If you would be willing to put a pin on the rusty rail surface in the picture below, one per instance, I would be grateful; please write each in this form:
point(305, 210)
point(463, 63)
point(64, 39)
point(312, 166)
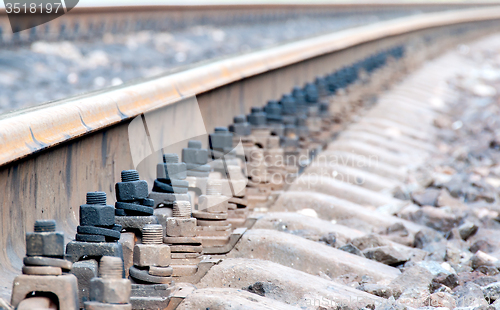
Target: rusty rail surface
point(53, 154)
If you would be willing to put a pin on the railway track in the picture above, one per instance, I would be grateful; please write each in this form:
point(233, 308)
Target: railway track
point(335, 210)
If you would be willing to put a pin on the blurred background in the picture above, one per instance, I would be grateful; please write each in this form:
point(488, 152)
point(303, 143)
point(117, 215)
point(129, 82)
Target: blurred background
point(101, 44)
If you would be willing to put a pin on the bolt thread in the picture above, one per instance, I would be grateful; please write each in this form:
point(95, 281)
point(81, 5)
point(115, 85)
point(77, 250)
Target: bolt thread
point(130, 175)
point(181, 209)
point(45, 226)
point(96, 198)
point(170, 158)
point(111, 267)
point(194, 144)
point(152, 234)
point(214, 187)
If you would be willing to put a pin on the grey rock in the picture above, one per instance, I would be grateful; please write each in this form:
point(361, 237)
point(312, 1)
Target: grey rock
point(496, 305)
point(492, 292)
point(397, 228)
point(481, 245)
point(387, 255)
point(391, 304)
point(485, 281)
point(467, 229)
point(482, 259)
point(488, 270)
point(263, 288)
point(351, 249)
point(330, 239)
point(433, 267)
point(369, 241)
point(435, 218)
point(446, 200)
point(440, 300)
point(376, 289)
point(428, 197)
point(426, 237)
point(469, 295)
point(448, 280)
point(413, 283)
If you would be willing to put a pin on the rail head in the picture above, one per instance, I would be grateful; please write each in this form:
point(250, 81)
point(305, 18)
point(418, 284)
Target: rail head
point(36, 129)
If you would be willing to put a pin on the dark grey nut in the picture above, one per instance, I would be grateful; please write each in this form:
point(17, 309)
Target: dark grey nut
point(45, 244)
point(97, 215)
point(257, 118)
point(130, 191)
point(195, 156)
point(171, 171)
point(241, 129)
point(221, 139)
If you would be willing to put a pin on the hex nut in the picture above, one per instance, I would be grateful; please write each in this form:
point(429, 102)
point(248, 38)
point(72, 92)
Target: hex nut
point(97, 215)
point(146, 255)
point(131, 191)
point(171, 171)
point(112, 291)
point(257, 117)
point(45, 244)
point(241, 129)
point(213, 203)
point(181, 227)
point(195, 156)
point(221, 140)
